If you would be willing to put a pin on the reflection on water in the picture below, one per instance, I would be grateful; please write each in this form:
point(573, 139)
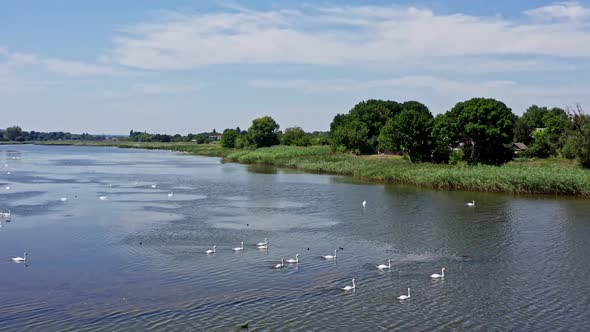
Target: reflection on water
point(136, 260)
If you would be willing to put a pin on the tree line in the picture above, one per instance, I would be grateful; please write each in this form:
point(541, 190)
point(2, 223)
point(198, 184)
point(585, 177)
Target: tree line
point(15, 133)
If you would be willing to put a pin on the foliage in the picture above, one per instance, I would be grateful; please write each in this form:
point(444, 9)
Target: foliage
point(229, 138)
point(456, 157)
point(296, 136)
point(12, 133)
point(409, 131)
point(483, 126)
point(369, 116)
point(543, 147)
point(263, 132)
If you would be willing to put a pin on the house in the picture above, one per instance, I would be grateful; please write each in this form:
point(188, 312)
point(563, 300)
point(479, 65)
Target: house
point(519, 147)
point(215, 137)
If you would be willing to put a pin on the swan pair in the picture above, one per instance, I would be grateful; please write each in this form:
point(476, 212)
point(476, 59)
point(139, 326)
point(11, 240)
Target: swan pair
point(438, 276)
point(20, 259)
point(383, 266)
point(330, 256)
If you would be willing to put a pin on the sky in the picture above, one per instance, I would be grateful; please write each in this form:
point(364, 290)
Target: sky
point(180, 66)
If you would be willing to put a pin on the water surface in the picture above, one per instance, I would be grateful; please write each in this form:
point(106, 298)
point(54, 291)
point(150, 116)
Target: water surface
point(135, 261)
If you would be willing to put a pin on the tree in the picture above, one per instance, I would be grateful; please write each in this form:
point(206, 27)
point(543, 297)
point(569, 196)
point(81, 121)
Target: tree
point(484, 127)
point(11, 133)
point(373, 114)
point(410, 131)
point(581, 133)
point(228, 140)
point(353, 136)
point(263, 132)
point(295, 136)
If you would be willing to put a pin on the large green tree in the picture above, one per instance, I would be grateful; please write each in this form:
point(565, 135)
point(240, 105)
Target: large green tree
point(263, 132)
point(410, 131)
point(12, 133)
point(295, 136)
point(372, 114)
point(228, 140)
point(483, 127)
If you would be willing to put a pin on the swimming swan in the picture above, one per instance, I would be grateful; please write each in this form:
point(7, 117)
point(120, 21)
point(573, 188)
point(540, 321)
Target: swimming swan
point(20, 259)
point(364, 203)
point(472, 203)
point(296, 260)
point(383, 266)
point(170, 194)
point(404, 297)
point(210, 251)
point(349, 288)
point(330, 256)
point(262, 243)
point(240, 248)
point(281, 264)
point(103, 198)
point(436, 275)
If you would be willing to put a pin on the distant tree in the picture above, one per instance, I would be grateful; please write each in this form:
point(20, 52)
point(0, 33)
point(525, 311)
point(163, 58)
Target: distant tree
point(352, 136)
point(228, 140)
point(11, 133)
point(295, 136)
point(543, 147)
point(581, 135)
point(373, 114)
point(484, 127)
point(263, 132)
point(238, 129)
point(410, 131)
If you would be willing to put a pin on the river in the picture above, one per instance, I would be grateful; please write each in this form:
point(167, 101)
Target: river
point(135, 261)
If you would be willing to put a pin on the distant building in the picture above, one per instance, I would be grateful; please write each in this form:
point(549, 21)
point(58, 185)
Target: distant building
point(519, 147)
point(216, 137)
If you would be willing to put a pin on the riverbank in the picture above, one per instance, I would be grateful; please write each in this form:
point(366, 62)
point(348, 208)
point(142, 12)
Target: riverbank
point(547, 177)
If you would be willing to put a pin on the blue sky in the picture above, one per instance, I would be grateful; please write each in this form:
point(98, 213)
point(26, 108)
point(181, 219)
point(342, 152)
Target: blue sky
point(189, 66)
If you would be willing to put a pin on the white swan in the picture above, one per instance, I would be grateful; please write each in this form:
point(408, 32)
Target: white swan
point(210, 251)
point(472, 203)
point(436, 275)
point(7, 187)
point(262, 247)
point(349, 288)
point(364, 203)
point(103, 198)
point(240, 248)
point(170, 194)
point(262, 243)
point(296, 260)
point(281, 264)
point(383, 266)
point(154, 185)
point(63, 199)
point(5, 214)
point(404, 297)
point(20, 259)
point(330, 256)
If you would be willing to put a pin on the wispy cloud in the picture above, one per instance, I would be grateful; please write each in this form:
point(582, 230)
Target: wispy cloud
point(570, 10)
point(343, 35)
point(79, 68)
point(153, 89)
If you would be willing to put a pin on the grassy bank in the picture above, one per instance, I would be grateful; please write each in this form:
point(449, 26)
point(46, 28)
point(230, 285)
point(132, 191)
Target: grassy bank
point(548, 176)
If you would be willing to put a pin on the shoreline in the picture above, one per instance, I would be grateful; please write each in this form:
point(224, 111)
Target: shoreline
point(541, 177)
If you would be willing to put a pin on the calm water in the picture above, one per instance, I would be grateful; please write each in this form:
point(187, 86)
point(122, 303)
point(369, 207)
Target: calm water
point(513, 263)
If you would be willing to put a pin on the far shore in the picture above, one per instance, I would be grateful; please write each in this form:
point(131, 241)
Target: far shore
point(554, 176)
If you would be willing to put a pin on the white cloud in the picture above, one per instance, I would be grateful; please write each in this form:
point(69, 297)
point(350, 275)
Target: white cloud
point(571, 10)
point(153, 89)
point(340, 36)
point(78, 68)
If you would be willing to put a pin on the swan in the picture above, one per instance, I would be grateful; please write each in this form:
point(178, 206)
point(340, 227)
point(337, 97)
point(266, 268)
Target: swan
point(364, 203)
point(102, 198)
point(20, 259)
point(211, 251)
point(5, 214)
point(281, 264)
point(330, 256)
point(7, 187)
point(472, 203)
point(349, 288)
point(263, 243)
point(404, 297)
point(262, 247)
point(170, 194)
point(383, 266)
point(154, 185)
point(240, 248)
point(63, 199)
point(436, 275)
point(296, 260)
